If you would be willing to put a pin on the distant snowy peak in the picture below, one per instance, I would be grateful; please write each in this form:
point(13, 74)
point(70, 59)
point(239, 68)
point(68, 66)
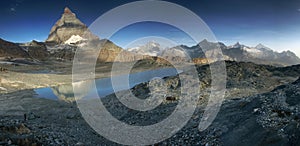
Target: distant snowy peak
point(261, 54)
point(288, 53)
point(251, 50)
point(176, 51)
point(153, 44)
point(150, 48)
point(257, 50)
point(237, 45)
point(263, 48)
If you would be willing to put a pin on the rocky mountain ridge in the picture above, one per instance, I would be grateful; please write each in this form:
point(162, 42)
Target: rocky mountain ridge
point(259, 54)
point(11, 50)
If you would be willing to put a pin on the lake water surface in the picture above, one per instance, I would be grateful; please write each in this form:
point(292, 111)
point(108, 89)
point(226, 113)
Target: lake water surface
point(104, 85)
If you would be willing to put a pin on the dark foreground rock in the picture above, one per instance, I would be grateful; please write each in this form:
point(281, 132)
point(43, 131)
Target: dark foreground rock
point(47, 122)
point(264, 119)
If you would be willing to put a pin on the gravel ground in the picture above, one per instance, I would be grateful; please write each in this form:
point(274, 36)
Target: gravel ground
point(268, 118)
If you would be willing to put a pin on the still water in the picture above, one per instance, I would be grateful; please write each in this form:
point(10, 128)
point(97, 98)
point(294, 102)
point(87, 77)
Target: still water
point(104, 85)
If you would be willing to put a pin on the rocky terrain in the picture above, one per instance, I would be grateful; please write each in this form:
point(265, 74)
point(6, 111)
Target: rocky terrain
point(261, 108)
point(37, 50)
point(264, 119)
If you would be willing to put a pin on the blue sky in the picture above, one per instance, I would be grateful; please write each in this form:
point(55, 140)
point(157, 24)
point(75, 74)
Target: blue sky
point(274, 23)
point(150, 30)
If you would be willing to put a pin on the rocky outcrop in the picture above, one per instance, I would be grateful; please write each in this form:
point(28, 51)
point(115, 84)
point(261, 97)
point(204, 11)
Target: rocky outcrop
point(200, 61)
point(63, 52)
point(66, 27)
point(11, 50)
point(112, 53)
point(37, 50)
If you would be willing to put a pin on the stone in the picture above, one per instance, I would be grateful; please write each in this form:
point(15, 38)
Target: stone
point(170, 98)
point(200, 61)
point(22, 129)
point(79, 144)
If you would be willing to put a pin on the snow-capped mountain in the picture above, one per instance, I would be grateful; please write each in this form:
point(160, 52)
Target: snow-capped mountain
point(259, 54)
point(178, 53)
point(68, 29)
point(151, 49)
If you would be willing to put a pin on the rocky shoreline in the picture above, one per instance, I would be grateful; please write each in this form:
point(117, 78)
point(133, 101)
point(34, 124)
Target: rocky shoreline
point(268, 115)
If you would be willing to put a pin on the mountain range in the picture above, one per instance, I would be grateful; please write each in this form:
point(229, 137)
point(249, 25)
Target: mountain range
point(259, 54)
point(69, 33)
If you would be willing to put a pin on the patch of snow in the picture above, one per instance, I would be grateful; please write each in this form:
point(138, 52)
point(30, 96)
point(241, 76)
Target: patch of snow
point(3, 89)
point(74, 39)
point(252, 50)
point(133, 49)
point(179, 52)
point(151, 49)
point(151, 54)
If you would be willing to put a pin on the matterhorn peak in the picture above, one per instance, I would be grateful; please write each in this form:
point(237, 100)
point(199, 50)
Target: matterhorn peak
point(67, 11)
point(68, 26)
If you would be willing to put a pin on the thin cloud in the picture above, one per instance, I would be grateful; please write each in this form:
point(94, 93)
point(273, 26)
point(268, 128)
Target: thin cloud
point(13, 9)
